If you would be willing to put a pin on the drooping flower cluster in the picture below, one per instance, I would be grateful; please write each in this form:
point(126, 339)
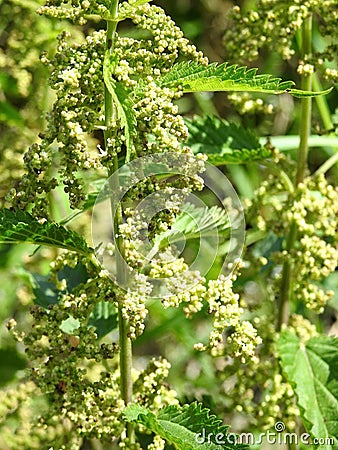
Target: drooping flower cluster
point(274, 24)
point(23, 83)
point(224, 304)
point(69, 362)
point(312, 207)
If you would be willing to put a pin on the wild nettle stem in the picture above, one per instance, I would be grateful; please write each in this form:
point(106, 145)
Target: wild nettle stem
point(306, 103)
point(124, 340)
point(304, 132)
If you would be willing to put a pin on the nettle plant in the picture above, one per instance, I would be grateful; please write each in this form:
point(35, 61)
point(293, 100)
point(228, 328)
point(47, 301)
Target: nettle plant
point(84, 390)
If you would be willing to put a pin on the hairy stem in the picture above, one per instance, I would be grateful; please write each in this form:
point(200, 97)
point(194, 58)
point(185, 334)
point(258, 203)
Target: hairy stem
point(126, 385)
point(304, 132)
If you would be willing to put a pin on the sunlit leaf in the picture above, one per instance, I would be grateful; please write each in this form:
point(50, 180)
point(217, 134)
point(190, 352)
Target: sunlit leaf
point(196, 77)
point(189, 427)
point(312, 369)
point(17, 226)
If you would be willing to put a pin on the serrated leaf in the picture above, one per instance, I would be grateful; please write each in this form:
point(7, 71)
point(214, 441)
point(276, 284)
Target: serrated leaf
point(189, 427)
point(313, 371)
point(195, 222)
point(103, 318)
point(195, 77)
point(122, 101)
point(17, 226)
point(224, 142)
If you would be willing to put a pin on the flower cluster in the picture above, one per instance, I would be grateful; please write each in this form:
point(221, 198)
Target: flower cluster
point(274, 24)
point(27, 403)
point(245, 104)
point(149, 388)
point(312, 207)
point(23, 83)
point(256, 387)
point(223, 303)
point(76, 74)
point(133, 304)
point(314, 210)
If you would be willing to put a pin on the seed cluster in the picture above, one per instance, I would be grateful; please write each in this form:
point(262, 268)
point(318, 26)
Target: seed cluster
point(312, 207)
point(225, 307)
point(274, 24)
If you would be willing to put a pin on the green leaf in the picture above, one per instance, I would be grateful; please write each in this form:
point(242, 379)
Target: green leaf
point(138, 2)
point(195, 222)
point(224, 142)
point(9, 115)
point(313, 371)
point(189, 427)
point(104, 315)
point(122, 102)
point(45, 291)
point(10, 362)
point(195, 77)
point(103, 318)
point(17, 226)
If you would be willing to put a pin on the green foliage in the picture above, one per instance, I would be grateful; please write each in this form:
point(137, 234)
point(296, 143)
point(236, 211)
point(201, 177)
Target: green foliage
point(104, 315)
point(196, 222)
point(313, 371)
point(17, 226)
point(10, 362)
point(44, 289)
point(103, 318)
point(9, 115)
point(189, 427)
point(224, 142)
point(195, 77)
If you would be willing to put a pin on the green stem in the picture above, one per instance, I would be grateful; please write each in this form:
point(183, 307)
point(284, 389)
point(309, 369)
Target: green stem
point(327, 164)
point(322, 105)
point(306, 105)
point(274, 168)
point(304, 132)
point(126, 360)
